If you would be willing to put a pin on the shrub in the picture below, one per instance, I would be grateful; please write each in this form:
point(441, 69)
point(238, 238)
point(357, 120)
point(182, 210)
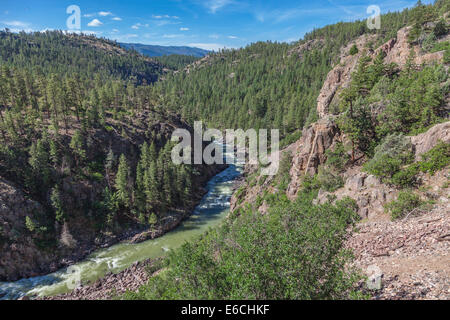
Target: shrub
point(406, 202)
point(354, 50)
point(440, 46)
point(435, 159)
point(406, 177)
point(440, 29)
point(152, 219)
point(283, 177)
point(429, 42)
point(337, 158)
point(296, 252)
point(31, 226)
point(328, 180)
point(390, 156)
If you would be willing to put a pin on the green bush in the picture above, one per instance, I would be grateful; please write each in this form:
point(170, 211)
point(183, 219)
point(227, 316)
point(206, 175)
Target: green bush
point(429, 42)
point(283, 178)
point(390, 156)
point(337, 158)
point(440, 46)
point(354, 50)
point(440, 29)
point(328, 180)
point(406, 177)
point(436, 159)
point(296, 252)
point(406, 202)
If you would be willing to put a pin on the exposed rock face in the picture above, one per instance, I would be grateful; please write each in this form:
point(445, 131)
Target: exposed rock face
point(368, 191)
point(340, 76)
point(426, 141)
point(310, 151)
point(398, 50)
point(306, 46)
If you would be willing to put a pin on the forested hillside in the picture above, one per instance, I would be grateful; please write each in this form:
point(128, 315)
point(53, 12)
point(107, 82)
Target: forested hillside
point(176, 61)
point(83, 142)
point(72, 54)
point(268, 85)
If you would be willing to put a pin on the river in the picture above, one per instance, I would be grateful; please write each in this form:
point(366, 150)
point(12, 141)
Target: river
point(211, 211)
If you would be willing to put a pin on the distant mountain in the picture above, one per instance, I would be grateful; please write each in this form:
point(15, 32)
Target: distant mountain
point(158, 51)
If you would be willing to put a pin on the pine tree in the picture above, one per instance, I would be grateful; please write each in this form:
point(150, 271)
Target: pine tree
point(77, 146)
point(122, 187)
point(151, 184)
point(57, 204)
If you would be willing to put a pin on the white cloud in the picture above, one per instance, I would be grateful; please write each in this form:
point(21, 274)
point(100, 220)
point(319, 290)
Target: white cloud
point(232, 37)
point(184, 29)
point(17, 24)
point(164, 16)
point(160, 16)
point(115, 30)
point(214, 36)
point(95, 23)
point(105, 13)
point(137, 26)
point(117, 19)
point(216, 5)
point(88, 15)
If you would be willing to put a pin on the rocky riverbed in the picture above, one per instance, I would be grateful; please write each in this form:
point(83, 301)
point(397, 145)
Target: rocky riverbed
point(113, 285)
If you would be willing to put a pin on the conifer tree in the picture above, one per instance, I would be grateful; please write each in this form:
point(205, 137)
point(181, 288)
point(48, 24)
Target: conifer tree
point(122, 186)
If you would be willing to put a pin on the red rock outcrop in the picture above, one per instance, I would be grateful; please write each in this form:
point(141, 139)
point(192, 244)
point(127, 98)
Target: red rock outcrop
point(310, 151)
point(426, 141)
point(340, 76)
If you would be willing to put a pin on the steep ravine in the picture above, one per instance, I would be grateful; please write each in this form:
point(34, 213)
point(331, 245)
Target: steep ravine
point(121, 266)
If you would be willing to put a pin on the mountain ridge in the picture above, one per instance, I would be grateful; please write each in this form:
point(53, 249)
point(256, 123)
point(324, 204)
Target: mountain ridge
point(159, 51)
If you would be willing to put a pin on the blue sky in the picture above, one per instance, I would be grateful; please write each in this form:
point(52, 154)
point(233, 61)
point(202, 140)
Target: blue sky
point(208, 24)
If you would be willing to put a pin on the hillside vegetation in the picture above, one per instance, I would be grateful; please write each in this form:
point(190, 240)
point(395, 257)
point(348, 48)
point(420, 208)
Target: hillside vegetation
point(275, 247)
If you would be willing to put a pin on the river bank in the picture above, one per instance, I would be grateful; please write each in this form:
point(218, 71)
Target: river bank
point(113, 285)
